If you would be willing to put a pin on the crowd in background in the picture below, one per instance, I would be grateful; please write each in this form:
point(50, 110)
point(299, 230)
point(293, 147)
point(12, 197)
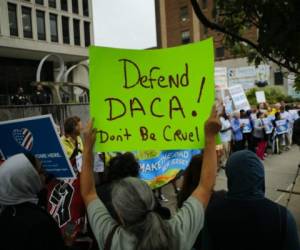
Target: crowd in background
point(264, 129)
point(117, 210)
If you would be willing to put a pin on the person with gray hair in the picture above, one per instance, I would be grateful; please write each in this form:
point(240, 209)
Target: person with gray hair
point(138, 226)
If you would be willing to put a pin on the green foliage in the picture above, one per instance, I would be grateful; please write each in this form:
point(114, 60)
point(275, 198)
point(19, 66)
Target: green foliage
point(273, 95)
point(297, 83)
point(278, 30)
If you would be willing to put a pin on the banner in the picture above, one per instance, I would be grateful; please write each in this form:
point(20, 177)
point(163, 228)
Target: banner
point(36, 135)
point(239, 98)
point(158, 168)
point(260, 96)
point(247, 125)
point(151, 99)
point(268, 125)
point(248, 76)
point(281, 127)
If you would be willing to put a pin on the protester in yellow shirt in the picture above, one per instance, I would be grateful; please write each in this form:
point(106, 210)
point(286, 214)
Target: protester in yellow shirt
point(71, 140)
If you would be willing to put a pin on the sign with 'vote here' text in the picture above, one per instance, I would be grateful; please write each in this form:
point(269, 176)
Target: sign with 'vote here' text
point(151, 99)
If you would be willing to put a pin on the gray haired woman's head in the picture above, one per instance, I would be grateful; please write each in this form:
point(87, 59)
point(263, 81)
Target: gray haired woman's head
point(134, 203)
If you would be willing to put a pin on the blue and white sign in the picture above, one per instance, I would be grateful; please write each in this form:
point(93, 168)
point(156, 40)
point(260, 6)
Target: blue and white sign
point(161, 169)
point(239, 98)
point(37, 136)
point(281, 127)
point(247, 128)
point(268, 125)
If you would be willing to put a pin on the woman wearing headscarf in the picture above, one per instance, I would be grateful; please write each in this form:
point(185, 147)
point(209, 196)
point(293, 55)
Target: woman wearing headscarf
point(245, 219)
point(23, 224)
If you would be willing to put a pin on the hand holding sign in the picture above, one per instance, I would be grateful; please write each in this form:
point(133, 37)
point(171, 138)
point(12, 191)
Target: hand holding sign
point(213, 124)
point(89, 135)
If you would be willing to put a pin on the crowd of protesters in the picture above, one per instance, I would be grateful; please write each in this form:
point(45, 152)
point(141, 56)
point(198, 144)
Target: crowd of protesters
point(117, 210)
point(263, 130)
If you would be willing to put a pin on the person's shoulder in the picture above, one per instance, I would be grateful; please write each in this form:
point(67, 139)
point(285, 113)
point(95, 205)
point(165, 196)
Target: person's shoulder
point(218, 199)
point(34, 214)
point(79, 140)
point(63, 138)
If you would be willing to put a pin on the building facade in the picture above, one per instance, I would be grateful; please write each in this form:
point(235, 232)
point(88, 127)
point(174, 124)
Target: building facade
point(177, 24)
point(32, 29)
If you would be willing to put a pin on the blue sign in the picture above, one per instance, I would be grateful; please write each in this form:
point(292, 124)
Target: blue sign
point(281, 127)
point(268, 125)
point(247, 125)
point(161, 169)
point(36, 135)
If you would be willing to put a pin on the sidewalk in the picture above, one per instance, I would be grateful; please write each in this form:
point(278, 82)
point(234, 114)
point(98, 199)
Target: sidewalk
point(294, 204)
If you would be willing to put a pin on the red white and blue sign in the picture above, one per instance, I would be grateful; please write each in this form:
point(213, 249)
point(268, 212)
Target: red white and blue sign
point(37, 136)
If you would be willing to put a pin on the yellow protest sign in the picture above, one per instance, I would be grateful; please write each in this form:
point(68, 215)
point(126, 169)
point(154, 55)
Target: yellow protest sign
point(151, 99)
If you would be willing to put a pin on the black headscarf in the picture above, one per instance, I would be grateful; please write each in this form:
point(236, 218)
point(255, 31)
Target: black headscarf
point(245, 176)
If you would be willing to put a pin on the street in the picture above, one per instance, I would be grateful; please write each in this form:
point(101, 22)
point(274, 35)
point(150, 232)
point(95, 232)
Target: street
point(280, 172)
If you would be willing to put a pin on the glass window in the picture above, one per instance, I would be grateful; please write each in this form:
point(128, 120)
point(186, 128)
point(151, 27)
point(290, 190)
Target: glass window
point(40, 20)
point(39, 2)
point(53, 28)
point(13, 21)
point(87, 35)
point(52, 3)
point(75, 6)
point(27, 23)
point(220, 52)
point(64, 5)
point(184, 13)
point(76, 29)
point(65, 29)
point(185, 37)
point(278, 78)
point(85, 7)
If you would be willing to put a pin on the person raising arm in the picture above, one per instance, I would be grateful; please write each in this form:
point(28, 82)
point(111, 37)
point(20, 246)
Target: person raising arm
point(87, 182)
point(209, 166)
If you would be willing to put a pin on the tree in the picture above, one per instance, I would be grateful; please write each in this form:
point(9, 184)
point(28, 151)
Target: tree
point(277, 23)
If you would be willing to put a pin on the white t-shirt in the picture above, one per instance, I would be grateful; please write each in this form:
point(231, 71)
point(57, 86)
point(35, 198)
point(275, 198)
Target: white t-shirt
point(227, 135)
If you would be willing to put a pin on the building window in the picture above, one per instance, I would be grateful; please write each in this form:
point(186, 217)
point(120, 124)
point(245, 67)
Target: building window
point(184, 14)
point(13, 22)
point(85, 7)
point(40, 20)
point(75, 6)
point(52, 3)
point(27, 23)
point(65, 29)
point(87, 35)
point(220, 52)
point(204, 4)
point(39, 2)
point(185, 37)
point(76, 29)
point(278, 78)
point(53, 28)
point(64, 5)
